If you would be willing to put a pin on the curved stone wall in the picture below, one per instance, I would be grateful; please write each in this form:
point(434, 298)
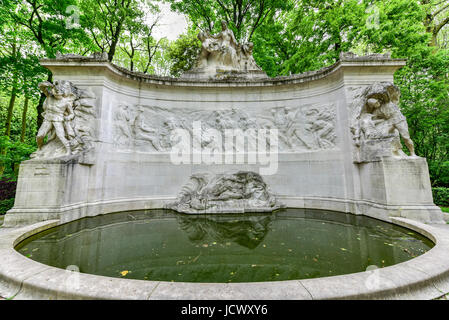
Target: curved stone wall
point(124, 122)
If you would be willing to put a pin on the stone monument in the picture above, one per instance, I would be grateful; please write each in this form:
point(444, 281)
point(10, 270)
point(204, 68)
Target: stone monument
point(222, 57)
point(113, 140)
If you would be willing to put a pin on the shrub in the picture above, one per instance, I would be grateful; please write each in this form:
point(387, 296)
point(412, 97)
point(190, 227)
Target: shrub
point(7, 189)
point(11, 154)
point(441, 196)
point(5, 205)
point(7, 193)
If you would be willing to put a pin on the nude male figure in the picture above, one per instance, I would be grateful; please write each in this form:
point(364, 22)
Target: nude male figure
point(57, 111)
point(391, 113)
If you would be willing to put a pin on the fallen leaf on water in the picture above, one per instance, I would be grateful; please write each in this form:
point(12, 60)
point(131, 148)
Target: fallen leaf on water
point(343, 249)
point(124, 273)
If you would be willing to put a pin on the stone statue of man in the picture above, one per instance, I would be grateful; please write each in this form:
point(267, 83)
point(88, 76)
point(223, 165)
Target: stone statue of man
point(381, 114)
point(58, 109)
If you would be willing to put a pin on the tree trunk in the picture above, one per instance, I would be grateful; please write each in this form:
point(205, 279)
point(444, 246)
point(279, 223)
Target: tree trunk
point(40, 111)
point(434, 41)
point(24, 120)
point(12, 101)
point(40, 105)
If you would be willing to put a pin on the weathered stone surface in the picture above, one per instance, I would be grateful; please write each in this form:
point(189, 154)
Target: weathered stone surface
point(69, 121)
point(225, 193)
point(223, 58)
point(424, 277)
point(129, 165)
point(147, 128)
point(379, 124)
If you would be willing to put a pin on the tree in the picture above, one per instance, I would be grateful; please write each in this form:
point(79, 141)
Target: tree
point(424, 86)
point(46, 24)
point(437, 18)
point(183, 52)
point(139, 47)
point(20, 71)
point(108, 20)
point(47, 20)
point(242, 16)
point(315, 33)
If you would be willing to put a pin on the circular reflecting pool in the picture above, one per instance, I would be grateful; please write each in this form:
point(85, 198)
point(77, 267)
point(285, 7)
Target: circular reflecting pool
point(163, 245)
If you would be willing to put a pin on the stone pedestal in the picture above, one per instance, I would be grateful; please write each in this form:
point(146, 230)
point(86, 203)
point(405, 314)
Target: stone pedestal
point(46, 189)
point(395, 187)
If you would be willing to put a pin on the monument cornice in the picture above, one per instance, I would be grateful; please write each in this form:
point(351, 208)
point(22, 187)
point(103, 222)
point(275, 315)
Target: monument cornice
point(347, 63)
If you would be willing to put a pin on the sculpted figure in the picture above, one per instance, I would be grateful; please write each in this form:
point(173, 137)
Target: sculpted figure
point(165, 133)
point(58, 112)
point(244, 191)
point(382, 107)
point(142, 132)
point(69, 120)
point(247, 61)
point(321, 127)
point(206, 48)
point(122, 123)
point(283, 120)
point(223, 51)
point(378, 124)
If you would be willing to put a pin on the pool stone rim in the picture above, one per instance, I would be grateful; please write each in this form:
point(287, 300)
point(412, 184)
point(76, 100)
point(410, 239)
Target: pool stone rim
point(423, 277)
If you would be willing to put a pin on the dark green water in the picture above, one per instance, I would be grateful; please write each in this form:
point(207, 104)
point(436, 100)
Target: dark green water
point(162, 245)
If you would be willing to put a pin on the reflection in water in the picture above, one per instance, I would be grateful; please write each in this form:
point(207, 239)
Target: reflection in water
point(162, 245)
point(245, 230)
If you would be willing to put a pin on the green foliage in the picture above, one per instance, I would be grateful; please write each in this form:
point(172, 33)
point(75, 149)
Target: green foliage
point(26, 72)
point(183, 52)
point(424, 86)
point(441, 196)
point(314, 34)
point(45, 23)
point(107, 21)
point(16, 122)
point(6, 205)
point(12, 153)
point(242, 16)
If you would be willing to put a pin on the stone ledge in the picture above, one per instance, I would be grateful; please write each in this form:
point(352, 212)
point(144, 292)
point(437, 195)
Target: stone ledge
point(424, 277)
point(21, 216)
point(372, 61)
